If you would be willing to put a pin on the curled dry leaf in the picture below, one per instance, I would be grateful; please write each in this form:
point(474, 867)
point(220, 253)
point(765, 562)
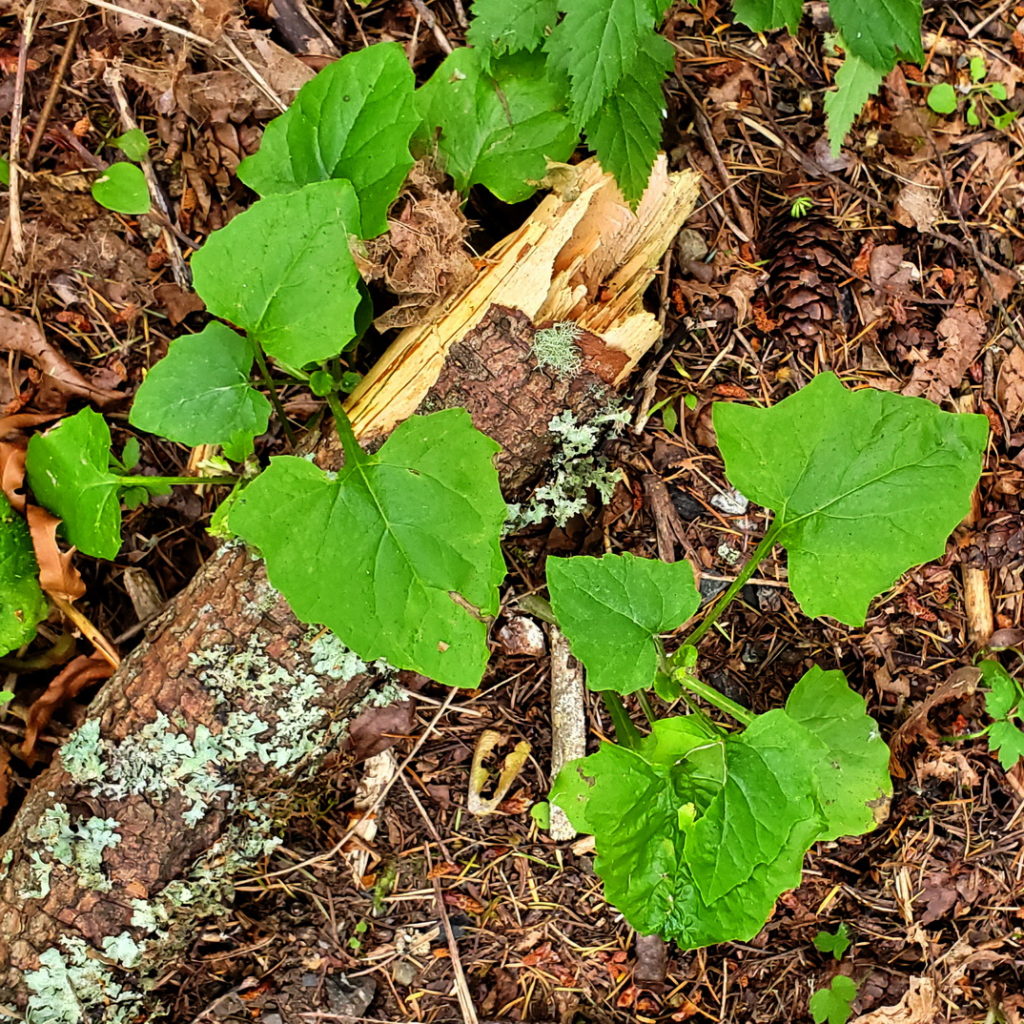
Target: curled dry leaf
point(918, 205)
point(489, 739)
point(57, 575)
point(65, 686)
point(1010, 385)
point(918, 1006)
point(961, 684)
point(962, 331)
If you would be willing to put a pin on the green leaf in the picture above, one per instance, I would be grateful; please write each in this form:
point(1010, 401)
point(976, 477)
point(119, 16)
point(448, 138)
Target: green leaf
point(978, 69)
point(769, 15)
point(856, 81)
point(1006, 740)
point(836, 943)
point(377, 551)
point(122, 188)
point(973, 117)
point(283, 272)
point(499, 129)
point(853, 776)
point(835, 1003)
point(5, 172)
point(864, 485)
point(942, 98)
point(1003, 121)
point(68, 471)
point(133, 144)
point(199, 393)
point(353, 120)
point(502, 27)
point(997, 91)
point(596, 43)
point(625, 131)
point(1004, 694)
point(880, 32)
point(22, 603)
point(612, 609)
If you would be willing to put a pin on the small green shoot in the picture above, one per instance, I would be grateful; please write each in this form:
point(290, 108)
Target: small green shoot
point(133, 143)
point(122, 188)
point(1004, 702)
point(801, 206)
point(978, 97)
point(835, 1003)
point(836, 943)
point(541, 814)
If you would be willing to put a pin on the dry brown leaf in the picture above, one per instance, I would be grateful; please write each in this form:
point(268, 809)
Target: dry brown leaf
point(740, 290)
point(918, 204)
point(66, 685)
point(962, 331)
point(377, 729)
point(962, 683)
point(1010, 385)
point(57, 575)
point(888, 269)
point(918, 1006)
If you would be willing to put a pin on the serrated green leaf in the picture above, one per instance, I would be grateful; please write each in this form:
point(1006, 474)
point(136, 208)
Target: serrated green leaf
point(856, 82)
point(1006, 740)
point(199, 393)
point(612, 608)
point(22, 603)
point(353, 120)
point(864, 485)
point(1005, 694)
point(853, 776)
point(283, 272)
point(942, 98)
point(625, 131)
point(501, 27)
point(496, 129)
point(835, 1003)
point(769, 15)
point(880, 32)
point(68, 471)
point(836, 943)
point(377, 551)
point(133, 143)
point(122, 188)
point(596, 43)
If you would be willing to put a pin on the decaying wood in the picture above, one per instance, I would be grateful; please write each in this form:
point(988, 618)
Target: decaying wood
point(191, 749)
point(568, 721)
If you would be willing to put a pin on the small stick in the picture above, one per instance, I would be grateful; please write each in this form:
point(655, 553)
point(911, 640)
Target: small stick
point(424, 12)
point(568, 721)
point(51, 96)
point(461, 988)
point(14, 201)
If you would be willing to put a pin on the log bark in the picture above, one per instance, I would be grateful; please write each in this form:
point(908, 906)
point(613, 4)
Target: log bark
point(132, 836)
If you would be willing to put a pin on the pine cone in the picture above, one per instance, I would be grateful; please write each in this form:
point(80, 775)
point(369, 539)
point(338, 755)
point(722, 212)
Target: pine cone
point(803, 278)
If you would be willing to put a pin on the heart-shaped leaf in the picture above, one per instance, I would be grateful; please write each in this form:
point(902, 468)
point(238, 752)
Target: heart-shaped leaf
point(122, 188)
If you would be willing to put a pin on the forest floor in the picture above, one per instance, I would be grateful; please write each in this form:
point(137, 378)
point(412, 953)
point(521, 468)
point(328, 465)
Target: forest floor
point(899, 271)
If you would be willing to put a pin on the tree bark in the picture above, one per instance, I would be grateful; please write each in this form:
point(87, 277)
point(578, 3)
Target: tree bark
point(172, 784)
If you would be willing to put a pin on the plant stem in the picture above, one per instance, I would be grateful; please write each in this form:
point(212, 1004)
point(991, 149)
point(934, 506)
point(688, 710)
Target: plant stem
point(625, 731)
point(353, 453)
point(275, 401)
point(143, 481)
point(645, 706)
point(760, 552)
point(713, 697)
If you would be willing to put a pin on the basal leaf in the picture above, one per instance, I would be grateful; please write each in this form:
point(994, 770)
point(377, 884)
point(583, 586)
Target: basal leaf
point(612, 608)
point(597, 42)
point(501, 27)
point(497, 129)
point(377, 551)
point(769, 15)
point(68, 471)
point(835, 1003)
point(122, 188)
point(625, 130)
point(880, 32)
point(283, 272)
point(864, 484)
point(22, 603)
point(856, 82)
point(353, 120)
point(199, 393)
point(853, 776)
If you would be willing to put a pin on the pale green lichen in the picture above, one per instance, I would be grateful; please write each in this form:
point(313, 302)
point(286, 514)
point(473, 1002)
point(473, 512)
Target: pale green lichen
point(80, 846)
point(331, 658)
point(577, 468)
point(40, 872)
point(557, 347)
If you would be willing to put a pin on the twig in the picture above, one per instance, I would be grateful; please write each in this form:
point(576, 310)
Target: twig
point(156, 22)
point(461, 988)
point(1005, 6)
point(51, 96)
point(14, 195)
point(424, 12)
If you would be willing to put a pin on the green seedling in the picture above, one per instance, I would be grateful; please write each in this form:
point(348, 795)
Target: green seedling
point(835, 1003)
point(836, 943)
point(1004, 702)
point(122, 188)
point(801, 206)
point(133, 143)
point(978, 96)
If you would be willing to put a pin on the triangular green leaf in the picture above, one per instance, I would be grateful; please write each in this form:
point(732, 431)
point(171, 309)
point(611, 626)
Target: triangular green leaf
point(835, 1003)
point(122, 188)
point(199, 393)
point(353, 120)
point(68, 471)
point(503, 27)
point(880, 32)
point(625, 131)
point(864, 485)
point(133, 143)
point(22, 603)
point(612, 608)
point(377, 551)
point(856, 81)
point(283, 272)
point(769, 15)
point(497, 129)
point(853, 776)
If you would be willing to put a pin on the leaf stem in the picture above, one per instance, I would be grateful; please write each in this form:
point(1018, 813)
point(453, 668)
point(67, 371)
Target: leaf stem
point(760, 552)
point(713, 697)
point(625, 731)
point(171, 481)
point(645, 706)
point(275, 400)
point(343, 425)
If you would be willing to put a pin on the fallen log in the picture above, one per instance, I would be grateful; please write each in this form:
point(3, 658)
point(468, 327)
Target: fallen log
point(172, 784)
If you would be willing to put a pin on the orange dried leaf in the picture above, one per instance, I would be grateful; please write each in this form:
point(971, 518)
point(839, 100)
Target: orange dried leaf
point(57, 576)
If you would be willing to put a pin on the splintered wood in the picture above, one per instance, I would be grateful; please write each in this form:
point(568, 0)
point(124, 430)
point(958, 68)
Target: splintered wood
point(582, 256)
